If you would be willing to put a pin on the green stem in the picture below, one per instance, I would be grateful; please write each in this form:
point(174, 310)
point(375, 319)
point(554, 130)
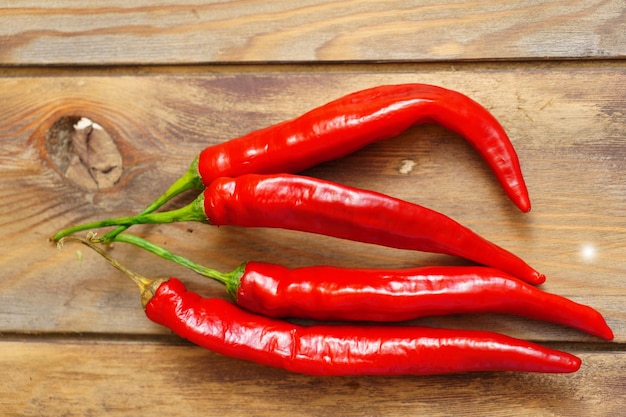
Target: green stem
point(230, 280)
point(192, 212)
point(191, 179)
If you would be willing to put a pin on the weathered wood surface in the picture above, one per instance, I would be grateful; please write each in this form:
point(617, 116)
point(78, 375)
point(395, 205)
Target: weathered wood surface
point(73, 338)
point(138, 378)
point(140, 32)
point(565, 119)
point(569, 138)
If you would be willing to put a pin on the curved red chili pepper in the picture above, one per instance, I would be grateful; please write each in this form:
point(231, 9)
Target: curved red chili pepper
point(386, 295)
point(316, 206)
point(347, 124)
point(327, 350)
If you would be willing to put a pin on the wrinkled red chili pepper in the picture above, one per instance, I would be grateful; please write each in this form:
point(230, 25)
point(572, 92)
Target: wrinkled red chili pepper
point(221, 327)
point(316, 206)
point(387, 295)
point(329, 350)
point(349, 123)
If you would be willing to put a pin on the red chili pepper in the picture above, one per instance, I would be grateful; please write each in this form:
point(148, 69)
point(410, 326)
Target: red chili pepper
point(387, 295)
point(349, 123)
point(327, 350)
point(316, 206)
point(320, 349)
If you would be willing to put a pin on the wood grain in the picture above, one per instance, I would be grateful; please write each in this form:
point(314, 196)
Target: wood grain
point(116, 32)
point(565, 121)
point(166, 79)
point(73, 338)
point(144, 379)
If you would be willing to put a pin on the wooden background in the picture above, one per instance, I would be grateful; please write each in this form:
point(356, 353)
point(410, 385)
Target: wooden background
point(164, 80)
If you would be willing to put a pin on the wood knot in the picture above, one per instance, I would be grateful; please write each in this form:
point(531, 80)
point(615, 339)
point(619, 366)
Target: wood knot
point(84, 152)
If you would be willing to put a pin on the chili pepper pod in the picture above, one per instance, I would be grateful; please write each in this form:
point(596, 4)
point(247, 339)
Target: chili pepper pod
point(222, 327)
point(387, 295)
point(328, 350)
point(330, 293)
point(316, 206)
point(349, 123)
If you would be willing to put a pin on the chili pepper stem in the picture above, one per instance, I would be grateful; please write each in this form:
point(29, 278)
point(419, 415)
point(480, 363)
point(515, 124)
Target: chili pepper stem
point(146, 285)
point(192, 212)
point(230, 280)
point(191, 179)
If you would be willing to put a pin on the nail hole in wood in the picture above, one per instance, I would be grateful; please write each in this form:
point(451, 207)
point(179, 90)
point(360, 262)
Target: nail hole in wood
point(84, 152)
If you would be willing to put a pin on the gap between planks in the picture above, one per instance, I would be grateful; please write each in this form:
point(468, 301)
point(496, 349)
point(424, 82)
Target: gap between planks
point(306, 67)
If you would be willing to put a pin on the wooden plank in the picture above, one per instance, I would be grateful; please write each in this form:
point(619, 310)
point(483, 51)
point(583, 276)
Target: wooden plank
point(566, 121)
point(145, 379)
point(116, 32)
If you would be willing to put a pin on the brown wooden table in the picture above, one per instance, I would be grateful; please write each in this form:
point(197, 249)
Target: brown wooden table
point(165, 80)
